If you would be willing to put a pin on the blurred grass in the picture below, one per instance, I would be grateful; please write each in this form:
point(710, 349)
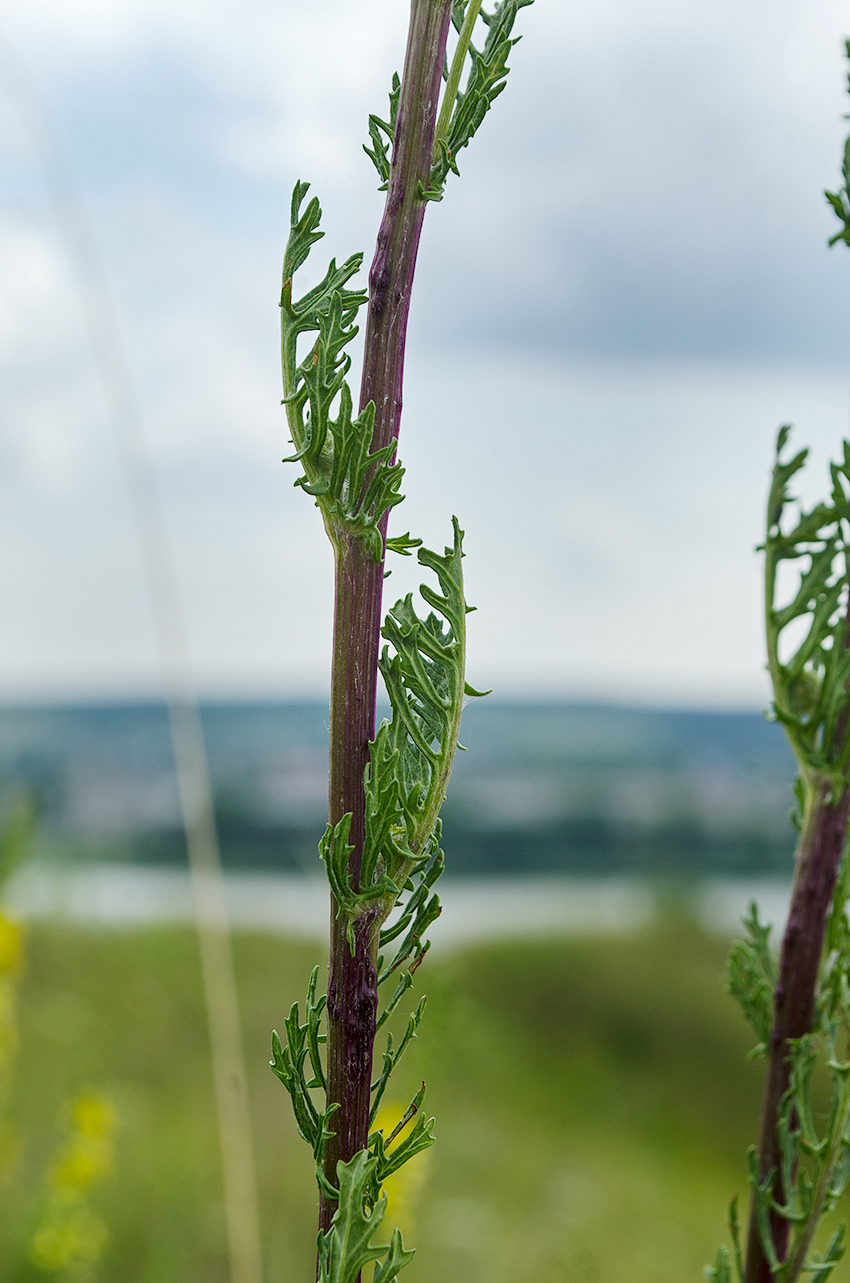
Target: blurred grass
point(592, 1096)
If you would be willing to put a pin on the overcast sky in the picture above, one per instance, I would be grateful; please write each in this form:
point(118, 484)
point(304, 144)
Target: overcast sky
point(617, 304)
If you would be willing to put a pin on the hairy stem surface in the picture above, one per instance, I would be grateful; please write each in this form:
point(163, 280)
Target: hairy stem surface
point(818, 858)
point(352, 991)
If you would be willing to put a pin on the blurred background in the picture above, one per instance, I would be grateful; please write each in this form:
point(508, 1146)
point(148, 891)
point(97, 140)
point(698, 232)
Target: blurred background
point(617, 305)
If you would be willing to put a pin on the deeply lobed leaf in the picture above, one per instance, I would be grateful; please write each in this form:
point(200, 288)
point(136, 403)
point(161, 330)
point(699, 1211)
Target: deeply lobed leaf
point(352, 485)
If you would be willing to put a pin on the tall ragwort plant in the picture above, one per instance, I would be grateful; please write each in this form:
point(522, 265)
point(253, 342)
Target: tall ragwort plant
point(799, 1006)
point(381, 848)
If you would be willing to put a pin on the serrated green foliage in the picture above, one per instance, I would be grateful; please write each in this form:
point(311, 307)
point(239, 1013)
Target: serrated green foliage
point(347, 1246)
point(815, 1167)
point(335, 851)
point(353, 487)
point(395, 1260)
point(464, 109)
point(417, 913)
point(810, 686)
point(423, 667)
point(288, 1063)
point(840, 200)
point(302, 1042)
point(721, 1271)
point(392, 1057)
point(387, 898)
point(402, 544)
point(382, 133)
point(411, 758)
point(751, 978)
point(810, 678)
point(425, 680)
point(420, 1137)
point(815, 1159)
point(410, 762)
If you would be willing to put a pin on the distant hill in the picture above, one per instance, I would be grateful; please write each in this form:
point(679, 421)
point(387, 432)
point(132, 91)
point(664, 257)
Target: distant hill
point(544, 787)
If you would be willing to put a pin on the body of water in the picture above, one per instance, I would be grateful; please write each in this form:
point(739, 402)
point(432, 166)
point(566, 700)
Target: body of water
point(473, 909)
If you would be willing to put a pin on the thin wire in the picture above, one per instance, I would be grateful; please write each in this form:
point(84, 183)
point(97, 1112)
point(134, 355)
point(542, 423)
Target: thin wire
point(193, 776)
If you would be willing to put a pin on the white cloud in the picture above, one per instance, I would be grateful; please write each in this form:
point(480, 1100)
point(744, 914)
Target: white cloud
point(649, 185)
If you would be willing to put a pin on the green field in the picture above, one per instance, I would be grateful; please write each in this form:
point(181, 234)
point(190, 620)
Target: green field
point(592, 1097)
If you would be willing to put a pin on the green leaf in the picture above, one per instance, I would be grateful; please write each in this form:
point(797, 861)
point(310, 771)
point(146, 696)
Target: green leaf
point(420, 1137)
point(313, 1010)
point(719, 1272)
point(751, 977)
point(401, 989)
point(395, 1261)
point(354, 487)
point(810, 685)
point(347, 1246)
point(391, 1058)
point(335, 850)
point(425, 682)
point(410, 760)
point(821, 1266)
point(288, 1064)
point(381, 133)
point(304, 230)
point(402, 544)
point(762, 1191)
point(465, 109)
point(735, 1231)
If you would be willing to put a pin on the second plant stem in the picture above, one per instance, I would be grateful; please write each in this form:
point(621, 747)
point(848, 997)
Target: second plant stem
point(820, 848)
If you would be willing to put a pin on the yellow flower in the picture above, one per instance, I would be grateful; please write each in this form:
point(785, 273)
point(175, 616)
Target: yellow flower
point(87, 1155)
point(70, 1242)
point(93, 1116)
point(71, 1237)
point(10, 946)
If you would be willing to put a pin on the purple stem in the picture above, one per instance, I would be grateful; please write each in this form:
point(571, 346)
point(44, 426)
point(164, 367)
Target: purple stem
point(819, 855)
point(352, 987)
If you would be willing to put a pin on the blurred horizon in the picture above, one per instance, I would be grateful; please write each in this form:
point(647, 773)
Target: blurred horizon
point(127, 696)
point(546, 787)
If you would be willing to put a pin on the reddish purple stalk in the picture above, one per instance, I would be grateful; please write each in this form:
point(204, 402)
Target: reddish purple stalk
point(819, 854)
point(352, 987)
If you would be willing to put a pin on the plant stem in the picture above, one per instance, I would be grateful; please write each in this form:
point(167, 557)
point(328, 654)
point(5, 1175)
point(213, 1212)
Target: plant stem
point(818, 856)
point(456, 71)
point(352, 987)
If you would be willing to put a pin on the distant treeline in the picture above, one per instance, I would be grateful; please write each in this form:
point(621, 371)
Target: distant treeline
point(545, 787)
point(583, 847)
